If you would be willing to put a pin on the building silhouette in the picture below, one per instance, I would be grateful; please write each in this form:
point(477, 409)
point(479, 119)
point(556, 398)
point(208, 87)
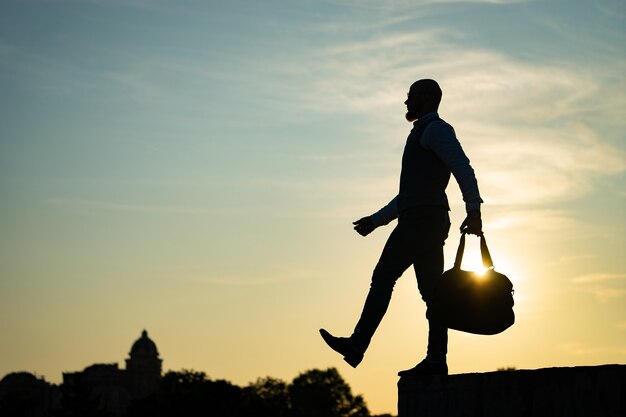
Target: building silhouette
point(101, 387)
point(143, 367)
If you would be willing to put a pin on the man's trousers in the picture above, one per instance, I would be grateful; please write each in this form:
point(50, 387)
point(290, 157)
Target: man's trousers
point(417, 240)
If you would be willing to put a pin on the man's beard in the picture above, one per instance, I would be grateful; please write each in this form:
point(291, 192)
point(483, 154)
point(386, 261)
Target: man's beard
point(411, 116)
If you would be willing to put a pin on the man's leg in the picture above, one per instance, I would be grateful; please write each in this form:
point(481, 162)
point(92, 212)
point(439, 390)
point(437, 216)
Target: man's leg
point(397, 257)
point(417, 239)
point(428, 269)
point(410, 241)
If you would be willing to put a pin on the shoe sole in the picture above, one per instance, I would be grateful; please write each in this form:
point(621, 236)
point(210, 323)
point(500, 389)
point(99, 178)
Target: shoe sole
point(353, 361)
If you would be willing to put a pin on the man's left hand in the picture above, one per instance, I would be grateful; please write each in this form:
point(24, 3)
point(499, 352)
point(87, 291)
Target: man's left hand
point(364, 226)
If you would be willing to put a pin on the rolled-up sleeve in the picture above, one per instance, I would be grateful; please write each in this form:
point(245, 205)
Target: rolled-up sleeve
point(441, 139)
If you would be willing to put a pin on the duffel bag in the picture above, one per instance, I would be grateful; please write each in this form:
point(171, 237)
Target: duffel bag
point(479, 303)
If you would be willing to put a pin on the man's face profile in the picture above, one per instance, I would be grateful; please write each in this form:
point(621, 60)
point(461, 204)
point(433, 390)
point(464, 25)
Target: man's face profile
point(423, 97)
point(412, 106)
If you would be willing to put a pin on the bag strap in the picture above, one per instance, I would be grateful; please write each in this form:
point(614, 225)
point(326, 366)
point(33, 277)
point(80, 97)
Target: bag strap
point(484, 253)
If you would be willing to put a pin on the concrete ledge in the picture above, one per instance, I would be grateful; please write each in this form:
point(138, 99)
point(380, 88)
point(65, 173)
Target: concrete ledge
point(585, 391)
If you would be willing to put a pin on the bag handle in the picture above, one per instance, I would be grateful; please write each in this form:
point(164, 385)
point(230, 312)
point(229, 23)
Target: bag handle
point(484, 253)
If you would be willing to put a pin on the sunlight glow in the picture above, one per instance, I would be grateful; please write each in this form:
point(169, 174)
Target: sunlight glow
point(481, 271)
point(474, 264)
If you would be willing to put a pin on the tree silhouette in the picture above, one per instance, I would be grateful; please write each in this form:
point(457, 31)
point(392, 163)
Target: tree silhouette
point(79, 399)
point(267, 397)
point(324, 393)
point(22, 395)
point(190, 394)
point(314, 393)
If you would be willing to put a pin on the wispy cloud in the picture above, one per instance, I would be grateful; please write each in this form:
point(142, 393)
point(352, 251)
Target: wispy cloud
point(244, 281)
point(533, 220)
point(279, 276)
point(539, 165)
point(118, 3)
point(527, 123)
point(579, 349)
point(83, 206)
point(603, 286)
point(395, 4)
point(599, 278)
point(534, 130)
point(569, 259)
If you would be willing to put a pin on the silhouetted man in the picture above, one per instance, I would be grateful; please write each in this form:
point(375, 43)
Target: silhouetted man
point(431, 153)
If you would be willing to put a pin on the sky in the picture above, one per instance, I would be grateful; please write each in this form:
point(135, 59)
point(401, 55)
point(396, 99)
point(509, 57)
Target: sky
point(193, 168)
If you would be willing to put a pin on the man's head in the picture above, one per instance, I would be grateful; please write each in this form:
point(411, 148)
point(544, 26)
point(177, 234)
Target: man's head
point(424, 97)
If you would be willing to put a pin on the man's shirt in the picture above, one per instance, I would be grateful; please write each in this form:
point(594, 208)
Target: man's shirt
point(439, 138)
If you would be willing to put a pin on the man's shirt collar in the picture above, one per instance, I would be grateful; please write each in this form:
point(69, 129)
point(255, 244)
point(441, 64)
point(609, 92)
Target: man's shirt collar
point(425, 117)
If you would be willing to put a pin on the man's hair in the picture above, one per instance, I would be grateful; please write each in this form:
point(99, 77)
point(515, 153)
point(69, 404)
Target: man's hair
point(428, 87)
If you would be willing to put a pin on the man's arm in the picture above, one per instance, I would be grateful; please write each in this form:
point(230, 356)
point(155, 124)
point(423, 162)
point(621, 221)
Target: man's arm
point(366, 225)
point(441, 139)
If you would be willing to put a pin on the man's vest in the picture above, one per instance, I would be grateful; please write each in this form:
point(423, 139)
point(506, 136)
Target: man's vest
point(424, 176)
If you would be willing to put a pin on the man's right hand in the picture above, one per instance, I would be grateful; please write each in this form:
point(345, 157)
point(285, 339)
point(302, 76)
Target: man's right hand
point(472, 224)
point(364, 226)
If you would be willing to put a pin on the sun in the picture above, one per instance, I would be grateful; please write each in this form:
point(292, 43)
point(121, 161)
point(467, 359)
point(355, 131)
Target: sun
point(475, 265)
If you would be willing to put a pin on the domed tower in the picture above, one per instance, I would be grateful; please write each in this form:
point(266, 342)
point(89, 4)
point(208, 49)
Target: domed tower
point(143, 368)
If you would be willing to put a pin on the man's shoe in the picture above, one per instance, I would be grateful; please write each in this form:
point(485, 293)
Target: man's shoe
point(426, 367)
point(343, 346)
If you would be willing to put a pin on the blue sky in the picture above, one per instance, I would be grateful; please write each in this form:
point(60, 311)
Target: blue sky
point(193, 168)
